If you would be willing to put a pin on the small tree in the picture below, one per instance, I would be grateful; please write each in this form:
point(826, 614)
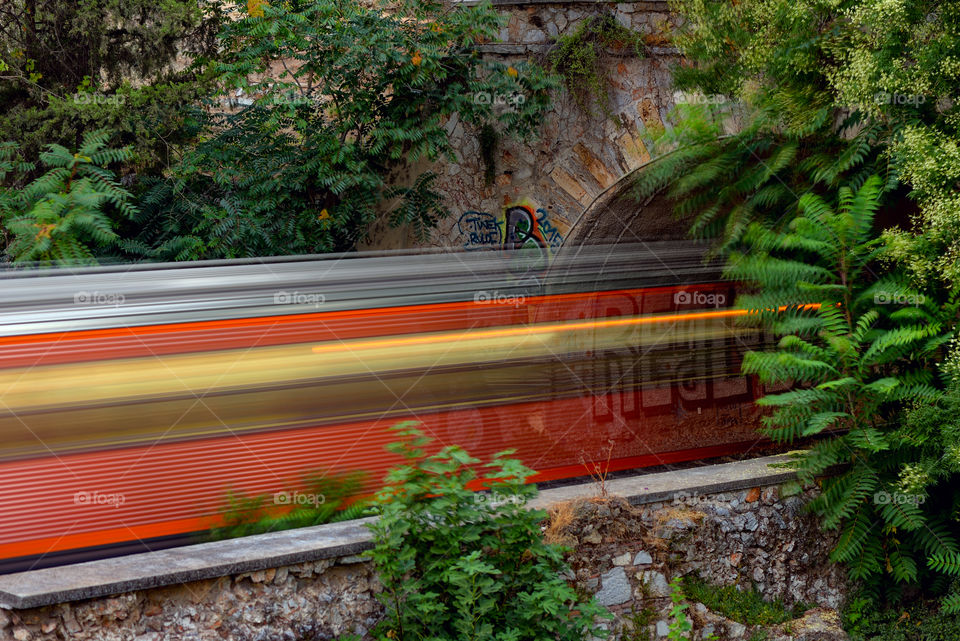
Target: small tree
point(459, 565)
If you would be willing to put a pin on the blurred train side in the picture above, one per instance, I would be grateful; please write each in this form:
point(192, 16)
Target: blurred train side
point(132, 398)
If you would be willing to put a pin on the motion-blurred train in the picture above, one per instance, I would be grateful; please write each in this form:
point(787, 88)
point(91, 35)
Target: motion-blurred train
point(133, 397)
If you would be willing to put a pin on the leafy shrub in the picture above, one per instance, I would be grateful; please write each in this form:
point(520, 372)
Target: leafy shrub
point(457, 566)
point(856, 349)
point(920, 621)
point(329, 500)
point(64, 215)
point(308, 162)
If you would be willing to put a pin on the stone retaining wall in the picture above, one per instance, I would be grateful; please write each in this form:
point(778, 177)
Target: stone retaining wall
point(626, 550)
point(757, 539)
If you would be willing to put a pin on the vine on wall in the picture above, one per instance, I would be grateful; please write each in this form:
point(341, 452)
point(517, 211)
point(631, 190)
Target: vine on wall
point(582, 59)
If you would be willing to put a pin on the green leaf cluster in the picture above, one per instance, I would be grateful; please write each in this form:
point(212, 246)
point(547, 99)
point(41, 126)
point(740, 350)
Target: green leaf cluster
point(456, 564)
point(853, 356)
point(68, 214)
point(581, 58)
point(335, 98)
point(120, 65)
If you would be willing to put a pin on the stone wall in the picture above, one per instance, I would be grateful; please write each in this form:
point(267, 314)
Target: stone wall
point(626, 554)
point(301, 602)
point(757, 539)
point(579, 153)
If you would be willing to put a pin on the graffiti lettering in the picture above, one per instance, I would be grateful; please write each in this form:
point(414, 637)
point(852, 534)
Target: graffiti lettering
point(480, 229)
point(519, 226)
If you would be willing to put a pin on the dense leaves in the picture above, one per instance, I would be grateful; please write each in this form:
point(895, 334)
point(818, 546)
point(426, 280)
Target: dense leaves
point(856, 348)
point(340, 94)
point(67, 68)
point(815, 141)
point(317, 119)
point(69, 212)
point(457, 564)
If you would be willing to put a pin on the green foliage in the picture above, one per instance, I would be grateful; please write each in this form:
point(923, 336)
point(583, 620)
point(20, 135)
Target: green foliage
point(306, 166)
point(325, 500)
point(73, 67)
point(855, 354)
point(68, 214)
point(581, 58)
point(456, 566)
point(640, 621)
point(744, 606)
point(852, 86)
point(921, 621)
point(680, 626)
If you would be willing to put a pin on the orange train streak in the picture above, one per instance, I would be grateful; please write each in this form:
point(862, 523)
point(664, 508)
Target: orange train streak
point(176, 487)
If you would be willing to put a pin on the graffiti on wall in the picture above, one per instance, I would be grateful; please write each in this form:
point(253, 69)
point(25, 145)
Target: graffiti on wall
point(519, 226)
point(480, 230)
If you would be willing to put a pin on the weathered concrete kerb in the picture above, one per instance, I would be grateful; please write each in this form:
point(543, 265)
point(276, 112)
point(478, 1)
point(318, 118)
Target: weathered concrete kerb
point(737, 523)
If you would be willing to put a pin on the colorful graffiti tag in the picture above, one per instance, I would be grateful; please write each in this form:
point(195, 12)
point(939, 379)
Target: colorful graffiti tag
point(520, 226)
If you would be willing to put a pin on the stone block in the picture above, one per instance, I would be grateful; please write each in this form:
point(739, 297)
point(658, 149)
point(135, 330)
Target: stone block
point(614, 588)
point(569, 184)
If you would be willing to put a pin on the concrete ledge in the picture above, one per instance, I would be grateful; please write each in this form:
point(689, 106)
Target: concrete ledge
point(249, 554)
point(181, 565)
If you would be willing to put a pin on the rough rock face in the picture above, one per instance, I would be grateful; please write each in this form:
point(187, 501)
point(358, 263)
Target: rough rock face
point(318, 600)
point(628, 556)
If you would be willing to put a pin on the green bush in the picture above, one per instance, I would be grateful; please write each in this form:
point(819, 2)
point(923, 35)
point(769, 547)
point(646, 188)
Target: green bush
point(457, 564)
point(918, 622)
point(858, 347)
point(581, 59)
point(308, 164)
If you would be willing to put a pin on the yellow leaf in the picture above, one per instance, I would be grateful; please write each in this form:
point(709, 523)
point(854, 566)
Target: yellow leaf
point(44, 231)
point(511, 72)
point(417, 58)
point(255, 8)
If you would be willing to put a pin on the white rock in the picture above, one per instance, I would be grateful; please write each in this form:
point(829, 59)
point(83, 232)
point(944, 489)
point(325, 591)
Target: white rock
point(614, 588)
point(643, 558)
